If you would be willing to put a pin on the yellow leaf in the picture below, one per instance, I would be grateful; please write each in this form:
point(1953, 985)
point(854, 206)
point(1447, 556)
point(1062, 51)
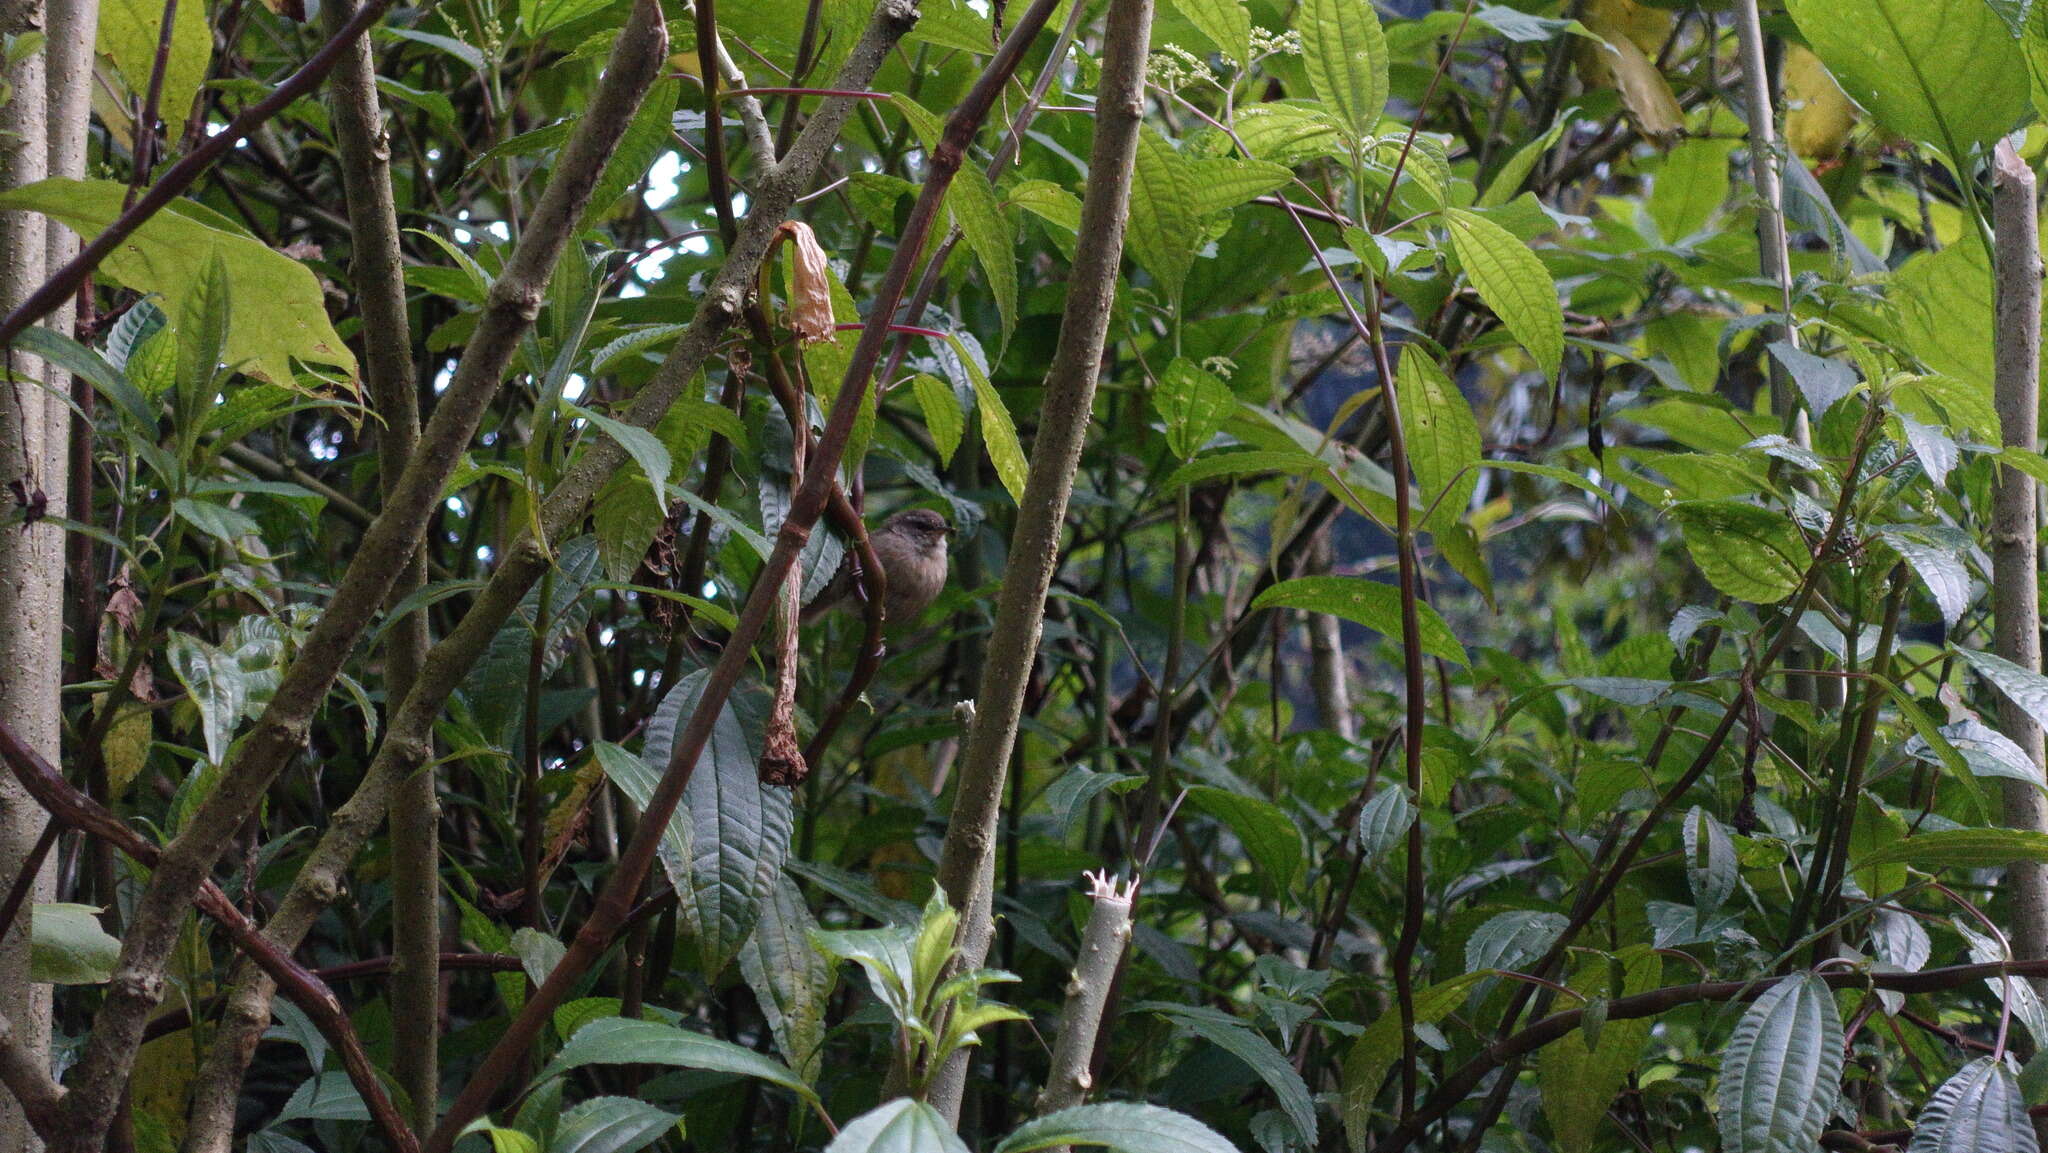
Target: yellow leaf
point(1818, 114)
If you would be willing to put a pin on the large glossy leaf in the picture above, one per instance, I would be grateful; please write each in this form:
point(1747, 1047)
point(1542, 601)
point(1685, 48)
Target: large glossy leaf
point(622, 1041)
point(1579, 1074)
point(2021, 686)
point(1344, 52)
point(1371, 603)
point(611, 1125)
point(1781, 1069)
point(1752, 554)
point(213, 679)
point(900, 1126)
point(725, 845)
point(1948, 72)
point(1122, 1126)
point(1979, 1110)
point(790, 979)
point(278, 312)
point(1513, 283)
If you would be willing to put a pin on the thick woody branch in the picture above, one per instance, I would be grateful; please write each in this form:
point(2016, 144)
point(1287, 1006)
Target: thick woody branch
point(614, 903)
point(1102, 948)
point(967, 861)
point(515, 299)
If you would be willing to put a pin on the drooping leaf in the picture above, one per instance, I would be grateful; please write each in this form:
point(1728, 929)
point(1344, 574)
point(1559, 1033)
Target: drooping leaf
point(624, 1041)
point(1960, 849)
point(67, 946)
point(214, 680)
point(611, 1125)
point(1443, 438)
point(1371, 603)
point(1512, 939)
point(1265, 831)
point(278, 311)
point(1513, 283)
point(1979, 1110)
point(1269, 1063)
point(1781, 1069)
point(1121, 1126)
point(792, 982)
point(1166, 215)
point(130, 32)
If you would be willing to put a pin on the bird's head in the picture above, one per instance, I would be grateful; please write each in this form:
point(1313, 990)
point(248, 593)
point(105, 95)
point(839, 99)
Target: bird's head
point(922, 527)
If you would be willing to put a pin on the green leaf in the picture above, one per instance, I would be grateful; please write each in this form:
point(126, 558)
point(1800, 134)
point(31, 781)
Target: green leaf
point(539, 17)
point(1376, 1050)
point(1125, 1127)
point(612, 1125)
point(1166, 213)
point(1781, 1069)
point(1508, 181)
point(942, 415)
point(1224, 22)
point(67, 946)
point(1513, 283)
point(1512, 939)
point(1581, 1074)
point(643, 446)
point(901, 1126)
point(1266, 832)
point(998, 432)
point(1384, 821)
point(83, 362)
point(1690, 188)
point(790, 979)
point(1269, 1063)
point(203, 333)
point(1979, 1110)
point(1960, 849)
point(1048, 202)
point(1948, 72)
point(1224, 182)
point(213, 678)
point(279, 312)
point(130, 32)
point(621, 1041)
point(626, 517)
point(325, 1097)
point(972, 200)
point(1344, 52)
point(1750, 553)
point(2021, 686)
point(725, 844)
point(1194, 403)
point(1367, 602)
point(1443, 438)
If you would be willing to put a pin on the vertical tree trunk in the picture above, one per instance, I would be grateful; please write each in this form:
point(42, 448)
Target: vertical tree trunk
point(967, 861)
point(1329, 672)
point(31, 554)
point(379, 275)
point(2015, 587)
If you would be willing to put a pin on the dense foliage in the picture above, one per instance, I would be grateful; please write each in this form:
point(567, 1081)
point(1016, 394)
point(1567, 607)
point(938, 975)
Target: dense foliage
point(1524, 630)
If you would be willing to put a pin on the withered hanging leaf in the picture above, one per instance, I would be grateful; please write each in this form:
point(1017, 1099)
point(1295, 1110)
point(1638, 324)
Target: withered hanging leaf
point(810, 304)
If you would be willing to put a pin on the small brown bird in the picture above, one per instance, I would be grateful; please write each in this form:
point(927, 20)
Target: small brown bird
point(911, 547)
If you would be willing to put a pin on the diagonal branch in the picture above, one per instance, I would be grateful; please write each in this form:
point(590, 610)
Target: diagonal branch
point(307, 991)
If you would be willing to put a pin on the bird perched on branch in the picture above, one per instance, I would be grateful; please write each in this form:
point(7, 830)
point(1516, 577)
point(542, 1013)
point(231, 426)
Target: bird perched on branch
point(911, 548)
